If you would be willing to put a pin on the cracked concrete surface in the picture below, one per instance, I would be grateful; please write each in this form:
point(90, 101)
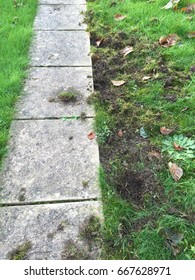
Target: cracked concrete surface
point(49, 181)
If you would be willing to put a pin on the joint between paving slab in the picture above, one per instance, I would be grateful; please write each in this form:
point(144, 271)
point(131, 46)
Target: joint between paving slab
point(54, 118)
point(61, 4)
point(59, 66)
point(60, 29)
point(57, 30)
point(12, 204)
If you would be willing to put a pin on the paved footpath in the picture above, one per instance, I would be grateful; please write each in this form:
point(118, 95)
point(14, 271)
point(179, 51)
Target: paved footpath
point(49, 184)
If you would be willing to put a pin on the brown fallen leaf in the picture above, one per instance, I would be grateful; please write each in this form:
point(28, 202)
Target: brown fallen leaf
point(118, 83)
point(95, 58)
point(175, 170)
point(120, 133)
point(91, 135)
point(191, 34)
point(155, 154)
point(98, 42)
point(119, 17)
point(177, 147)
point(168, 41)
point(127, 50)
point(190, 8)
point(166, 131)
point(183, 9)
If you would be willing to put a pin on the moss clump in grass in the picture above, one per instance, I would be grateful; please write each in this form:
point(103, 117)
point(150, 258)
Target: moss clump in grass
point(20, 252)
point(70, 95)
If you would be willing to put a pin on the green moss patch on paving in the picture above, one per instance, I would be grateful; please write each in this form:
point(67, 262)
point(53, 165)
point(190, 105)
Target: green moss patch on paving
point(147, 214)
point(15, 32)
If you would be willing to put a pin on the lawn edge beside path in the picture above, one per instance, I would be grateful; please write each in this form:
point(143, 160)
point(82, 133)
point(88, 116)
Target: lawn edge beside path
point(144, 122)
point(16, 32)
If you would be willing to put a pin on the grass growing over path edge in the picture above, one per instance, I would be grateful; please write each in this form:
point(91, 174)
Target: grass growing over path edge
point(16, 32)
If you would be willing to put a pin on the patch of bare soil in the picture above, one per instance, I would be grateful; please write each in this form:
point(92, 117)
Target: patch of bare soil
point(134, 177)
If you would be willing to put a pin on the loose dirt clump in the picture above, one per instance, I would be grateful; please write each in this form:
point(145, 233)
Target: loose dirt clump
point(133, 186)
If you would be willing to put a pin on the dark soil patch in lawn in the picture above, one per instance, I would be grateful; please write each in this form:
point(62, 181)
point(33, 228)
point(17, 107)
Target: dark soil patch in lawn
point(134, 177)
point(134, 185)
point(131, 168)
point(137, 188)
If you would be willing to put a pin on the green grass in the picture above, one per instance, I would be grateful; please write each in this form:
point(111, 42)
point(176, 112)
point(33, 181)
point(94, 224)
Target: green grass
point(134, 231)
point(15, 32)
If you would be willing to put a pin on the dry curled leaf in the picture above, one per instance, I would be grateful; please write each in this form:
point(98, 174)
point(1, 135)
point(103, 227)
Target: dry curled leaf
point(99, 41)
point(155, 154)
point(165, 131)
point(146, 78)
point(127, 50)
point(120, 133)
point(118, 83)
point(177, 147)
point(171, 4)
point(175, 170)
point(190, 8)
point(168, 41)
point(191, 34)
point(91, 135)
point(119, 17)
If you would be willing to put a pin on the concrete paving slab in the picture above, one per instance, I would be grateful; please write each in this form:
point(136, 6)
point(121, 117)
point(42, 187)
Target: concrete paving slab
point(50, 160)
point(57, 17)
point(73, 2)
point(49, 232)
point(61, 48)
point(40, 98)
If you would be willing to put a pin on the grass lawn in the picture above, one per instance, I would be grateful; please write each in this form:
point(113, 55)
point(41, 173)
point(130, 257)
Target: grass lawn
point(144, 124)
point(15, 32)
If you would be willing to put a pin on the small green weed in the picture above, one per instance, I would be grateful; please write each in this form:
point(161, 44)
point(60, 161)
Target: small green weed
point(179, 147)
point(103, 133)
point(20, 252)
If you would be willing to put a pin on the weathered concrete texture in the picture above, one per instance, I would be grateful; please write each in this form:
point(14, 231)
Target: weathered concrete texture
point(40, 99)
point(61, 48)
point(73, 2)
point(50, 160)
point(53, 231)
point(55, 17)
